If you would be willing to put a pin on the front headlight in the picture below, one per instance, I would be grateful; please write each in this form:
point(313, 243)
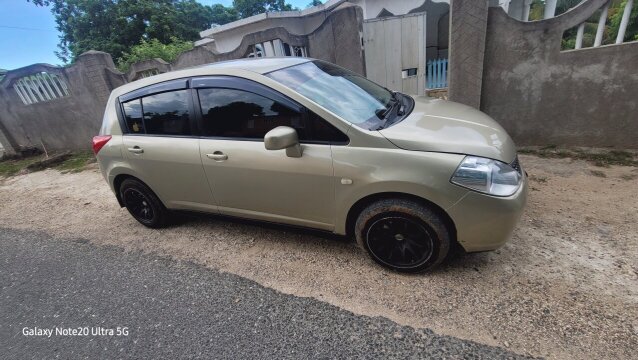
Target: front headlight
point(487, 176)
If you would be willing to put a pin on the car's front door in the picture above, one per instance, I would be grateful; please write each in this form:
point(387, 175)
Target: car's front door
point(246, 179)
point(161, 147)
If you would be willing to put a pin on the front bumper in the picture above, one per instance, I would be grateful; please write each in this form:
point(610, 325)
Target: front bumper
point(485, 222)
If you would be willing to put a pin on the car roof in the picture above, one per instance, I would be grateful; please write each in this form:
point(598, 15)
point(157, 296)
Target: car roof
point(258, 65)
point(230, 67)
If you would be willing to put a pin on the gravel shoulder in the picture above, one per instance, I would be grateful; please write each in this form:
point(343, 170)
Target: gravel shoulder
point(565, 286)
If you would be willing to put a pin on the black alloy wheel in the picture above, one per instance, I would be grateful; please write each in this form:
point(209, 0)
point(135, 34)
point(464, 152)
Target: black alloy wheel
point(138, 205)
point(142, 203)
point(399, 241)
point(404, 235)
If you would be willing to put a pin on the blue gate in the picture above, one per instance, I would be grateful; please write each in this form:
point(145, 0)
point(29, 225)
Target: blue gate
point(437, 74)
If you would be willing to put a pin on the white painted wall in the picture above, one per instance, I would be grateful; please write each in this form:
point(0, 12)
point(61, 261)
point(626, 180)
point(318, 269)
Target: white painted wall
point(228, 37)
point(372, 8)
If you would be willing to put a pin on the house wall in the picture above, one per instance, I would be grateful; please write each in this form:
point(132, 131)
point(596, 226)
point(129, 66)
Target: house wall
point(228, 37)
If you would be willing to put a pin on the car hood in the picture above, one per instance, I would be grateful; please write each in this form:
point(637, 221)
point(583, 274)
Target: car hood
point(446, 126)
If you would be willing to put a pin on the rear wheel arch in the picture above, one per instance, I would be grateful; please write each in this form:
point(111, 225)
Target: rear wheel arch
point(361, 204)
point(117, 183)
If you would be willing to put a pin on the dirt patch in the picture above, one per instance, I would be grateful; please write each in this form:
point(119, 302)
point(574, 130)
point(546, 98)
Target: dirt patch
point(565, 286)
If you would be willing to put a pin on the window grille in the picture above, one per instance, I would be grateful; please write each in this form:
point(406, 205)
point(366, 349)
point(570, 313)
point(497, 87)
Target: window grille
point(40, 87)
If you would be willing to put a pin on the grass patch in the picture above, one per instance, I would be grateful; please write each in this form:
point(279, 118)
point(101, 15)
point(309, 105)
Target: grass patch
point(11, 167)
point(73, 162)
point(601, 158)
point(76, 163)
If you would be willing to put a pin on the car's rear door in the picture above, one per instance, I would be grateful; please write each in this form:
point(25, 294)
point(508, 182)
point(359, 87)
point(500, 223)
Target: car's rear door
point(246, 179)
point(162, 147)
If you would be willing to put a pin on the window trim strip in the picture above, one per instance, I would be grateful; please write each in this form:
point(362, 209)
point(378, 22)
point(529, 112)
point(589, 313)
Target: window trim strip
point(171, 85)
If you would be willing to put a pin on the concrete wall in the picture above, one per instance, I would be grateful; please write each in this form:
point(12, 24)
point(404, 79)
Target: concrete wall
point(338, 39)
point(64, 123)
point(542, 95)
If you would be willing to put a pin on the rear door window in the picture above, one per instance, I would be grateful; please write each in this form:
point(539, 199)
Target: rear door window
point(166, 113)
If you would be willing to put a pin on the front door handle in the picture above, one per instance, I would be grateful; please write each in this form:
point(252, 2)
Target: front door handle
point(217, 156)
point(136, 150)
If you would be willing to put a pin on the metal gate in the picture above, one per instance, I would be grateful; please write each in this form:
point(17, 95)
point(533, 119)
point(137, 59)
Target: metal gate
point(395, 52)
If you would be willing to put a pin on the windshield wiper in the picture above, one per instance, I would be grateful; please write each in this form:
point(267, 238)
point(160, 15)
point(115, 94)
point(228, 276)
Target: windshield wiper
point(384, 114)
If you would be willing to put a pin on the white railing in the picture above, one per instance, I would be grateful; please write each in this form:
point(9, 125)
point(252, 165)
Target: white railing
point(40, 87)
point(601, 26)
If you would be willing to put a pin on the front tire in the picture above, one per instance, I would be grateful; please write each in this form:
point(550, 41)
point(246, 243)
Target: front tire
point(143, 204)
point(403, 235)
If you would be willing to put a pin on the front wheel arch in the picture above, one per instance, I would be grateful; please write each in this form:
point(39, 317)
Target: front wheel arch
point(361, 204)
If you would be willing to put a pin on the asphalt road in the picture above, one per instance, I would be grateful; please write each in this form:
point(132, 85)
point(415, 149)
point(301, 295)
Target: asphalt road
point(175, 309)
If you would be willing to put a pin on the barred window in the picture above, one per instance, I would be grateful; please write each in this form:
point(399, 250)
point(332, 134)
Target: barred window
point(40, 87)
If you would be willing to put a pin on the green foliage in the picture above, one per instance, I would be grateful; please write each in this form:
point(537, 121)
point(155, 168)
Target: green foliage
point(247, 8)
point(114, 26)
point(223, 15)
point(152, 49)
point(616, 17)
point(610, 32)
point(314, 3)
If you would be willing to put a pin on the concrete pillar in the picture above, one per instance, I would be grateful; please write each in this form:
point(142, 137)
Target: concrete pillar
point(95, 63)
point(624, 22)
point(468, 26)
point(579, 36)
point(506, 5)
point(519, 9)
point(601, 26)
point(550, 9)
point(527, 7)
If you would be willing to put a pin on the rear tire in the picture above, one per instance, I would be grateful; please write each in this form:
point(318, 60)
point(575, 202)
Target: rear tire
point(143, 204)
point(403, 235)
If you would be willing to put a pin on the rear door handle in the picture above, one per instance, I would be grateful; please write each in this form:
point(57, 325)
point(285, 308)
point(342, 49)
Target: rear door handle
point(136, 150)
point(217, 156)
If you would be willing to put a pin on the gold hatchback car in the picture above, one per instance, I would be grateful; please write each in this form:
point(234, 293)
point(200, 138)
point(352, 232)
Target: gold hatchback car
point(307, 143)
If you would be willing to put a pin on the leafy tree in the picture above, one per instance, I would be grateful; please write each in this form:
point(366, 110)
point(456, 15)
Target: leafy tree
point(152, 49)
point(115, 26)
point(247, 8)
point(223, 15)
point(610, 32)
point(314, 3)
point(632, 27)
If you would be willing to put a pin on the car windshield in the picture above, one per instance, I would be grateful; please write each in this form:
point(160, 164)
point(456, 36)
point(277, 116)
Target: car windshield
point(350, 96)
